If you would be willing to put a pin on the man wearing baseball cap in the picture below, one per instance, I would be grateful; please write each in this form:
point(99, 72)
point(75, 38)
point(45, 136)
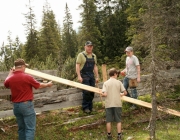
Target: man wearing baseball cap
point(19, 63)
point(21, 85)
point(132, 73)
point(86, 69)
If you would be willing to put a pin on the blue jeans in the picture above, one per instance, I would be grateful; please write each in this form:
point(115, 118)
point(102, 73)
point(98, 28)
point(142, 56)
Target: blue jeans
point(26, 119)
point(133, 90)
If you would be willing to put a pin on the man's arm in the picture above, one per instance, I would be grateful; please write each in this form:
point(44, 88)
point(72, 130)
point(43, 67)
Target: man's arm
point(124, 93)
point(78, 73)
point(10, 73)
point(43, 85)
point(123, 72)
point(104, 94)
point(138, 73)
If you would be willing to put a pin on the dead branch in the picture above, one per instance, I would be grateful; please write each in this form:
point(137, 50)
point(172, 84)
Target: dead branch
point(88, 126)
point(69, 121)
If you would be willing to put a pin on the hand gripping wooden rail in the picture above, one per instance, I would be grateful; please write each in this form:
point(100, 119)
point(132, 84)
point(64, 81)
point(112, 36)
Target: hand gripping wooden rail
point(96, 90)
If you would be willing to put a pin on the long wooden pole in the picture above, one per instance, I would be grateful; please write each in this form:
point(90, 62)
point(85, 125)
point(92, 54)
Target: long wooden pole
point(96, 90)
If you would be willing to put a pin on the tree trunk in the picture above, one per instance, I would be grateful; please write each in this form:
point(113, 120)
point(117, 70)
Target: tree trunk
point(154, 109)
point(153, 82)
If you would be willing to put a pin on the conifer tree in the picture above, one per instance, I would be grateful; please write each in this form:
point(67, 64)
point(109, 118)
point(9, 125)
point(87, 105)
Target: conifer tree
point(113, 26)
point(7, 53)
point(19, 51)
point(69, 47)
point(89, 30)
point(31, 45)
point(49, 37)
point(10, 52)
point(69, 42)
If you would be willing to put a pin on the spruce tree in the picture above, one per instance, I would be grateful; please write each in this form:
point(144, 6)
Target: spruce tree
point(19, 51)
point(49, 37)
point(69, 47)
point(31, 45)
point(69, 42)
point(89, 30)
point(115, 26)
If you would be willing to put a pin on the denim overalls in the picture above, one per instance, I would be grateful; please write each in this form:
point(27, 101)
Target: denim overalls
point(87, 75)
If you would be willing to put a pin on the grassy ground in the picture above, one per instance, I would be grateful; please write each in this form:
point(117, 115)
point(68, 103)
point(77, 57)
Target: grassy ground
point(73, 124)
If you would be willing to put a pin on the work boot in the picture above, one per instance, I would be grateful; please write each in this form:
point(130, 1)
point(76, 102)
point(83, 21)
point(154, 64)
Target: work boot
point(87, 111)
point(119, 137)
point(92, 110)
point(109, 137)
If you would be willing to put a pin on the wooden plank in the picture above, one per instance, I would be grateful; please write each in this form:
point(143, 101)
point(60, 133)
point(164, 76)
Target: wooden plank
point(62, 81)
point(96, 90)
point(149, 105)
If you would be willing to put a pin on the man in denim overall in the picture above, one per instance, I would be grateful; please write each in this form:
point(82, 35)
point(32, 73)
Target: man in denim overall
point(86, 67)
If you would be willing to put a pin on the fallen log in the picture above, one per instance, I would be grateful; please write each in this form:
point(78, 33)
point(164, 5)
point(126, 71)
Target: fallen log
point(96, 90)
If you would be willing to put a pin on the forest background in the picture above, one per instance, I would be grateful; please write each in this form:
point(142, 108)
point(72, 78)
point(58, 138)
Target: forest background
point(111, 25)
point(152, 27)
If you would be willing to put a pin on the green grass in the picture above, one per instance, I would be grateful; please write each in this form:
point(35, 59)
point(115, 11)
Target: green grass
point(50, 125)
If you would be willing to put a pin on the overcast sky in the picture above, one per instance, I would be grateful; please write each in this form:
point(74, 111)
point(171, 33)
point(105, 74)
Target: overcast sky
point(12, 18)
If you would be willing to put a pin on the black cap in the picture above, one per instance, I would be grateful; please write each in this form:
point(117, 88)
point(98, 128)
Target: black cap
point(88, 43)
